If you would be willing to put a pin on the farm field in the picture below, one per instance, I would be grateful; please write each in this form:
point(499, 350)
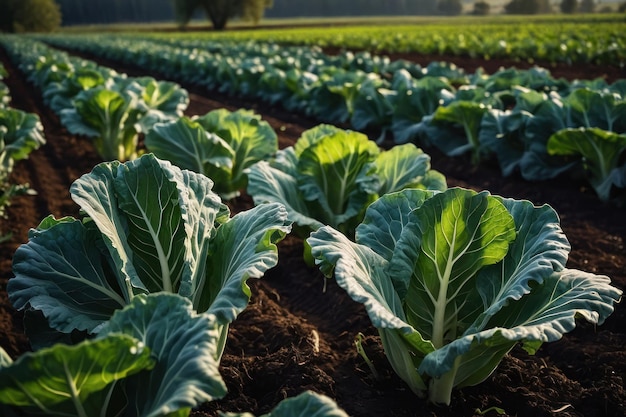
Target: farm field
point(549, 39)
point(298, 331)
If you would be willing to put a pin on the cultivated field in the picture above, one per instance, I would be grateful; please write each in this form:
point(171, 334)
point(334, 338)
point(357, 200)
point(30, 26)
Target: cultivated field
point(299, 329)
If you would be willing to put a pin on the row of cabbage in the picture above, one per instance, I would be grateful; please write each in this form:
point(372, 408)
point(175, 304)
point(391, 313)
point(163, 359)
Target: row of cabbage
point(103, 283)
point(96, 101)
point(20, 134)
point(534, 124)
point(221, 144)
point(156, 253)
point(127, 309)
point(557, 38)
point(300, 79)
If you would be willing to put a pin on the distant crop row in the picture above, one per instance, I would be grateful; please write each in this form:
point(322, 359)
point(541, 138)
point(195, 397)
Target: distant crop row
point(530, 122)
point(598, 41)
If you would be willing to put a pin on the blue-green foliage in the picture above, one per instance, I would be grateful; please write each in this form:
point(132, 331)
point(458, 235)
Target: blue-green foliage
point(453, 280)
point(393, 99)
point(96, 101)
point(148, 227)
point(330, 176)
point(220, 144)
point(154, 357)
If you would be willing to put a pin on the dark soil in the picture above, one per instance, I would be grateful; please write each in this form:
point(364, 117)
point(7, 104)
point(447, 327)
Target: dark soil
point(295, 335)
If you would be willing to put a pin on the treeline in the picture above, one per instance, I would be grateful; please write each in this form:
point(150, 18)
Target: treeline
point(77, 12)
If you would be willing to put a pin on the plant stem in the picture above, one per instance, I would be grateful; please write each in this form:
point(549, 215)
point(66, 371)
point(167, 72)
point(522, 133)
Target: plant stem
point(440, 389)
point(358, 342)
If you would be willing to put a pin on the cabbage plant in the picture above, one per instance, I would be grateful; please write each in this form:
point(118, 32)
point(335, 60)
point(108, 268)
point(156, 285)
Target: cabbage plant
point(454, 280)
point(158, 101)
point(582, 108)
point(114, 114)
point(148, 227)
point(155, 357)
point(601, 152)
point(331, 175)
point(108, 117)
point(58, 95)
point(455, 128)
point(221, 145)
point(5, 95)
point(333, 98)
point(20, 134)
point(415, 98)
point(503, 132)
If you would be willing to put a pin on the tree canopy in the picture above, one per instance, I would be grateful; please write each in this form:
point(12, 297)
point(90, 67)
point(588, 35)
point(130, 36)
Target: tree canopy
point(528, 7)
point(481, 8)
point(450, 7)
point(569, 6)
point(587, 6)
point(220, 12)
point(29, 16)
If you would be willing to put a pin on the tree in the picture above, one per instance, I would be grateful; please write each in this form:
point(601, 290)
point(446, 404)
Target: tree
point(7, 10)
point(587, 6)
point(528, 7)
point(253, 10)
point(450, 7)
point(544, 6)
point(622, 7)
point(184, 11)
point(220, 12)
point(569, 6)
point(29, 16)
point(481, 8)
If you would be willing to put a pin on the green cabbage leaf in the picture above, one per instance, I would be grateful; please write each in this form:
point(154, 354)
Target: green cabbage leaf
point(108, 117)
point(20, 134)
point(455, 128)
point(306, 404)
point(158, 101)
point(330, 176)
point(221, 145)
point(148, 227)
point(59, 95)
point(453, 280)
point(601, 152)
point(414, 100)
point(155, 357)
point(582, 108)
